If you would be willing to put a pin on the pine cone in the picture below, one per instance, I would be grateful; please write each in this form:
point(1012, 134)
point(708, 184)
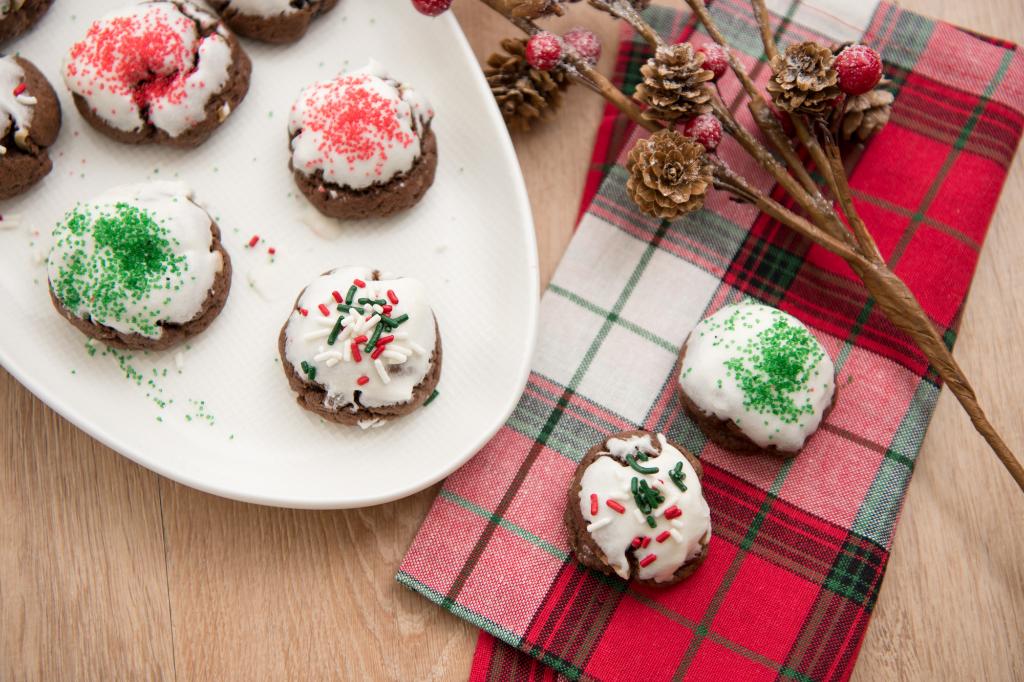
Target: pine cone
point(524, 94)
point(673, 85)
point(805, 80)
point(867, 114)
point(668, 175)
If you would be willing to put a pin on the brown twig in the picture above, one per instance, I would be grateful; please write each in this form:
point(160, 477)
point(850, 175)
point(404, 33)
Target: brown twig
point(622, 9)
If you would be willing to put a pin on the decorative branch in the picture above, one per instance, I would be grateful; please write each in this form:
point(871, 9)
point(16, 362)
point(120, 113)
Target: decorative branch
point(682, 187)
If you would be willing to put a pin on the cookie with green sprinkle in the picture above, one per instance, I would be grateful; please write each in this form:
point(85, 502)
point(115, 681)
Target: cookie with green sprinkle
point(756, 380)
point(139, 267)
point(18, 16)
point(636, 509)
point(360, 348)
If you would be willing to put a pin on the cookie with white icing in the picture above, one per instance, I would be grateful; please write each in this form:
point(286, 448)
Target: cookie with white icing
point(139, 267)
point(158, 72)
point(29, 123)
point(362, 144)
point(272, 21)
point(636, 509)
point(18, 16)
point(361, 349)
point(755, 380)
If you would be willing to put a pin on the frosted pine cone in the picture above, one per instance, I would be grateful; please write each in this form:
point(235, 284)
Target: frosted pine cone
point(804, 79)
point(668, 175)
point(674, 84)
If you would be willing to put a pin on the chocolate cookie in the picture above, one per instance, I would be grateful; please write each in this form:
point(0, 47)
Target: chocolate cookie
point(272, 21)
point(140, 267)
point(636, 509)
point(359, 349)
point(362, 145)
point(29, 124)
point(755, 380)
point(18, 16)
point(202, 74)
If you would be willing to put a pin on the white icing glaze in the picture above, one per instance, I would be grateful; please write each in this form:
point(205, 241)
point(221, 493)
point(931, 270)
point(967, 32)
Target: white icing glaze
point(262, 8)
point(722, 338)
point(358, 129)
point(610, 478)
point(15, 110)
point(159, 43)
point(392, 376)
point(180, 297)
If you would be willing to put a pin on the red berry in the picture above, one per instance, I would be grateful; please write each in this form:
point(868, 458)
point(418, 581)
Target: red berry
point(584, 42)
point(432, 7)
point(705, 129)
point(544, 50)
point(715, 59)
point(860, 69)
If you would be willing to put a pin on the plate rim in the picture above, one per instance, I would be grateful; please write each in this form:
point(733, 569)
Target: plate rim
point(521, 198)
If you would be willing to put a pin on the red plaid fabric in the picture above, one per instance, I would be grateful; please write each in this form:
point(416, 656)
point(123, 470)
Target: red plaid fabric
point(799, 547)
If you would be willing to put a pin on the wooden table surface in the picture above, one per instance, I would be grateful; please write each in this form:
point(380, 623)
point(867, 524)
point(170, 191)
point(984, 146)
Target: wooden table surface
point(108, 571)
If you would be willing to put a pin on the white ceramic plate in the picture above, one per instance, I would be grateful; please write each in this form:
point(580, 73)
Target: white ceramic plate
point(471, 241)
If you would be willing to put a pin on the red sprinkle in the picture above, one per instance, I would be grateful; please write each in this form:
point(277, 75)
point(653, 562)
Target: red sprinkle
point(271, 250)
point(636, 542)
point(387, 309)
point(303, 312)
point(392, 297)
point(665, 535)
point(384, 340)
point(646, 541)
point(363, 380)
point(672, 512)
point(593, 504)
point(254, 241)
point(359, 283)
point(19, 89)
point(616, 506)
point(356, 355)
point(325, 310)
point(648, 560)
point(338, 297)
point(376, 352)
point(362, 338)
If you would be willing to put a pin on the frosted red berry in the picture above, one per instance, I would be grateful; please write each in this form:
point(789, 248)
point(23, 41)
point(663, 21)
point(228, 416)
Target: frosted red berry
point(859, 68)
point(586, 44)
point(706, 129)
point(715, 59)
point(432, 7)
point(544, 50)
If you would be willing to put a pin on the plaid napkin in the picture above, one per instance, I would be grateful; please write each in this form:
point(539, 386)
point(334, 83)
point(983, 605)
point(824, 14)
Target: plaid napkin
point(799, 547)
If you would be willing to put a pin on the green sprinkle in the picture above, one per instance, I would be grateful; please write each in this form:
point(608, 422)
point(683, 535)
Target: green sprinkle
point(351, 293)
point(638, 468)
point(333, 336)
point(677, 475)
point(344, 308)
point(377, 331)
point(651, 522)
point(429, 400)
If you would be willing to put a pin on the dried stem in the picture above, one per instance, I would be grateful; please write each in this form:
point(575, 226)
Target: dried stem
point(622, 9)
point(824, 228)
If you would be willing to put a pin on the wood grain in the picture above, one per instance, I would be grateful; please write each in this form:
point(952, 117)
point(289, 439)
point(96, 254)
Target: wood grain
point(109, 572)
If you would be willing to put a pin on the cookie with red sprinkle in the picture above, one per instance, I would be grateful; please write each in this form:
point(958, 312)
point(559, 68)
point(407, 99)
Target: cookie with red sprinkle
point(18, 16)
point(30, 120)
point(636, 509)
point(163, 72)
point(362, 144)
point(360, 348)
point(271, 21)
